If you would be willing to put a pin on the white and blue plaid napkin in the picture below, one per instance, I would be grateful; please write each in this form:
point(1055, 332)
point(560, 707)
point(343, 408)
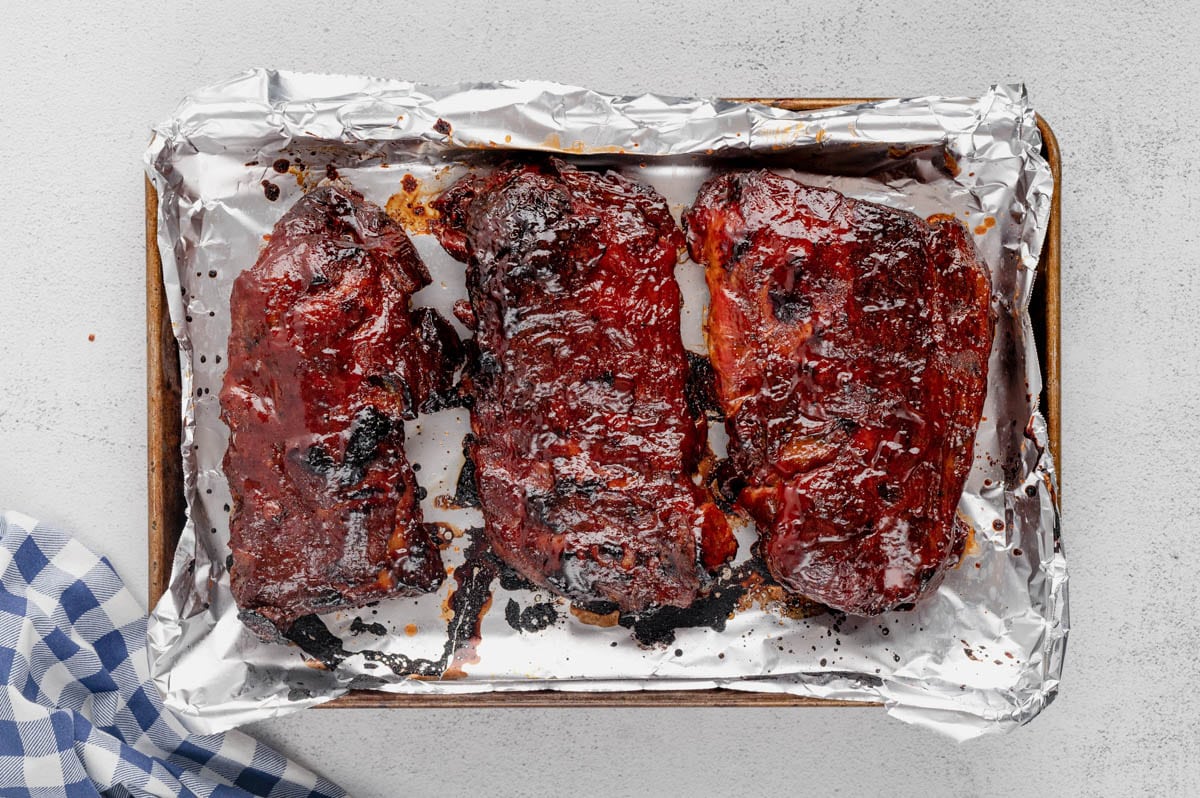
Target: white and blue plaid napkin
point(78, 713)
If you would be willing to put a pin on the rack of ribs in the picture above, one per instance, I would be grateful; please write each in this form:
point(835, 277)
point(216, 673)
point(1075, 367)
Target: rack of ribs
point(583, 442)
point(850, 342)
point(326, 361)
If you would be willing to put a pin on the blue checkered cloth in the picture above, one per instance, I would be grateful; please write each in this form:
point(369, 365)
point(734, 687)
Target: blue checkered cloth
point(78, 714)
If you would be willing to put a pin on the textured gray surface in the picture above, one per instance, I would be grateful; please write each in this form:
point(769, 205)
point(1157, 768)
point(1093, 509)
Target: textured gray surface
point(1117, 82)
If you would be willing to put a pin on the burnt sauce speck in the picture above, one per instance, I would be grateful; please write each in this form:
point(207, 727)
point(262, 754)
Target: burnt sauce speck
point(533, 618)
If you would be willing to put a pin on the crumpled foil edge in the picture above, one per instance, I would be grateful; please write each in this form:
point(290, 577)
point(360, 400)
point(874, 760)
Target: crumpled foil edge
point(262, 105)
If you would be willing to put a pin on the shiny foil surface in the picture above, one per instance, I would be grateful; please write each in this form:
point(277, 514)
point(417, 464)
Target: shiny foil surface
point(982, 654)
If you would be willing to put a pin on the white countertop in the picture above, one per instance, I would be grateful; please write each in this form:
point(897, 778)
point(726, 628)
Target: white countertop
point(1117, 81)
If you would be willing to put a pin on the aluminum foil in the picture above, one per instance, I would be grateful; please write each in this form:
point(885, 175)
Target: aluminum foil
point(983, 654)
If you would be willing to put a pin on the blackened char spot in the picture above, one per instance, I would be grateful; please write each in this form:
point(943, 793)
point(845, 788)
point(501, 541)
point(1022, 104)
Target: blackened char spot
point(370, 428)
point(358, 627)
point(315, 639)
point(318, 459)
point(657, 627)
point(789, 306)
point(585, 488)
point(701, 390)
point(488, 364)
point(540, 506)
point(368, 491)
point(466, 491)
point(726, 484)
point(512, 614)
point(597, 607)
point(331, 599)
point(888, 492)
point(741, 247)
point(510, 579)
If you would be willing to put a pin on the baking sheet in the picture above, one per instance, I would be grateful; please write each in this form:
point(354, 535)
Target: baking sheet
point(984, 653)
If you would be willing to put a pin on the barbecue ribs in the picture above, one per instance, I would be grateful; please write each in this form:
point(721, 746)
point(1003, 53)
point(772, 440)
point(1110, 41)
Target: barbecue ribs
point(584, 445)
point(326, 361)
point(850, 342)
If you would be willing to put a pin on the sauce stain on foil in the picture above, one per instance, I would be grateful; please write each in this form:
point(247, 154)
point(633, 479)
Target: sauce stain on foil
point(411, 207)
